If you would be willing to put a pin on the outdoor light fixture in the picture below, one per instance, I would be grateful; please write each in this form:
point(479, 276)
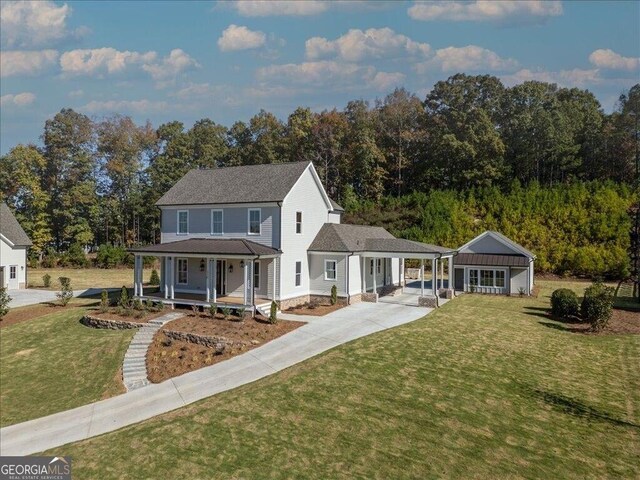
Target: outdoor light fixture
point(241, 263)
point(202, 265)
point(230, 268)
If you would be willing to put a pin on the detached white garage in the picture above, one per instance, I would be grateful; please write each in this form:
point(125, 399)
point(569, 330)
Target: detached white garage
point(14, 243)
point(493, 263)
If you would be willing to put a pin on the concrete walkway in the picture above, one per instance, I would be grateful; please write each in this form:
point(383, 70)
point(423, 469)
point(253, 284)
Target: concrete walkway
point(134, 366)
point(31, 296)
point(318, 335)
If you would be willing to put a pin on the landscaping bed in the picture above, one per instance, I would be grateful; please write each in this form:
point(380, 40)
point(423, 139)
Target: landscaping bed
point(622, 322)
point(169, 357)
point(314, 309)
point(141, 316)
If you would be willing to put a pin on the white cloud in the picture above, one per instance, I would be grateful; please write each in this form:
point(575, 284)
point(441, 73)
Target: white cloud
point(170, 67)
point(99, 61)
point(469, 58)
point(261, 8)
point(329, 73)
point(515, 11)
point(606, 58)
point(19, 100)
point(22, 62)
point(356, 45)
point(236, 37)
point(118, 106)
point(35, 23)
point(565, 78)
point(76, 93)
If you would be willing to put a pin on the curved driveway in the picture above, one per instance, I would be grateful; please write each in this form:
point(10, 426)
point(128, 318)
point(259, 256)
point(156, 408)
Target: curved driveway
point(318, 335)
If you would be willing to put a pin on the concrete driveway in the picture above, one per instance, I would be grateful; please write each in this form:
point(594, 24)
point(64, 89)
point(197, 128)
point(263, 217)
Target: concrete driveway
point(318, 335)
point(31, 296)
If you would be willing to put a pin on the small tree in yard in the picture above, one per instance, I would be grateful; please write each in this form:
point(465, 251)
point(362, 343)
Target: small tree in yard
point(124, 297)
point(564, 303)
point(46, 280)
point(334, 295)
point(273, 313)
point(66, 293)
point(104, 301)
point(155, 279)
point(213, 309)
point(597, 305)
point(4, 302)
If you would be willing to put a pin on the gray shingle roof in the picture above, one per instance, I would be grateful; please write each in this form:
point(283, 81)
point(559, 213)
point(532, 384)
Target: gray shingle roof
point(487, 259)
point(11, 229)
point(209, 246)
point(335, 205)
point(245, 184)
point(334, 237)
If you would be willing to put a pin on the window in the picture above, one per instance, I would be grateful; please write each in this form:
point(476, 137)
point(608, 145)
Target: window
point(486, 278)
point(378, 264)
point(473, 277)
point(298, 222)
point(13, 272)
point(183, 268)
point(254, 221)
point(183, 222)
point(500, 278)
point(216, 222)
point(329, 269)
point(371, 267)
point(298, 274)
point(256, 274)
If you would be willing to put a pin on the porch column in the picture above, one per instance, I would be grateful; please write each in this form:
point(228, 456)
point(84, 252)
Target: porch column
point(375, 275)
point(245, 286)
point(451, 270)
point(173, 278)
point(274, 267)
point(135, 275)
point(214, 276)
point(140, 275)
point(422, 277)
point(400, 282)
point(363, 278)
point(162, 276)
point(208, 279)
point(441, 274)
point(165, 266)
point(434, 276)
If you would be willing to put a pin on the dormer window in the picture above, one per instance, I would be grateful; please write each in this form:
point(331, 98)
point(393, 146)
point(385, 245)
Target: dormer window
point(183, 222)
point(255, 219)
point(298, 222)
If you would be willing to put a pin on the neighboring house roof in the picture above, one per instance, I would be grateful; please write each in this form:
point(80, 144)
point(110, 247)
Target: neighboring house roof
point(209, 246)
point(11, 229)
point(244, 184)
point(335, 205)
point(341, 237)
point(486, 259)
point(501, 238)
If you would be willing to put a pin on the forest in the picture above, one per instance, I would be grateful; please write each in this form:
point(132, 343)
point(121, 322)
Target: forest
point(545, 165)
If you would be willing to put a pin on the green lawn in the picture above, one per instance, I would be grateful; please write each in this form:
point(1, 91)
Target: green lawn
point(86, 277)
point(485, 387)
point(53, 363)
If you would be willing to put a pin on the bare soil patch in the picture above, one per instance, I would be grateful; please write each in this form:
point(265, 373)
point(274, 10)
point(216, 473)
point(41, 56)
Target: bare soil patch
point(113, 315)
point(316, 310)
point(168, 358)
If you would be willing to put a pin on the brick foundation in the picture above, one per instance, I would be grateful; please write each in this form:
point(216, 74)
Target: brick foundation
point(431, 302)
point(369, 297)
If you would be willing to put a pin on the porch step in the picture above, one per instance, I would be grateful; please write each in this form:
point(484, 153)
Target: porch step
point(134, 365)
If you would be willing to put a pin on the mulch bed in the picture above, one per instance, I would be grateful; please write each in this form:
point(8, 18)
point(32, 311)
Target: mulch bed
point(22, 314)
point(622, 322)
point(314, 310)
point(168, 359)
point(114, 316)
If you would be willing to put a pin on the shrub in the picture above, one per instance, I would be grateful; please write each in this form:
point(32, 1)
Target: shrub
point(240, 313)
point(104, 301)
point(4, 302)
point(46, 280)
point(213, 309)
point(226, 311)
point(521, 291)
point(124, 297)
point(334, 295)
point(155, 279)
point(75, 256)
point(196, 310)
point(564, 303)
point(109, 256)
point(137, 305)
point(273, 313)
point(66, 293)
point(597, 305)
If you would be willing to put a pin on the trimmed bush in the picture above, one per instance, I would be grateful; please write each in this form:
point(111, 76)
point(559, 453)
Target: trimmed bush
point(597, 305)
point(124, 297)
point(564, 303)
point(213, 309)
point(273, 313)
point(46, 280)
point(104, 301)
point(240, 313)
point(66, 292)
point(334, 295)
point(155, 278)
point(226, 311)
point(4, 302)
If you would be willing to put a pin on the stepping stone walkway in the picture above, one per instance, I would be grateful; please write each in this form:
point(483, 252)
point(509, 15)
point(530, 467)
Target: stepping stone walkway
point(134, 368)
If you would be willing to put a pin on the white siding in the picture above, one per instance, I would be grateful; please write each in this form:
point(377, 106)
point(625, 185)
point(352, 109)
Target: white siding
point(306, 197)
point(333, 217)
point(355, 275)
point(519, 279)
point(13, 256)
point(320, 286)
point(489, 244)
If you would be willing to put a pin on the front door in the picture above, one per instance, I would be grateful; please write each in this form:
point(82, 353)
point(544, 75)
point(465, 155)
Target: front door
point(221, 274)
point(13, 277)
point(459, 280)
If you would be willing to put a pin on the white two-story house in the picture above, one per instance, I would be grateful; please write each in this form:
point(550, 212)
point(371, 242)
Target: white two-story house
point(248, 235)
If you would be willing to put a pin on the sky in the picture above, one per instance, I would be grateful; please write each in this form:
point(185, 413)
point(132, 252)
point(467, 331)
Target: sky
point(163, 61)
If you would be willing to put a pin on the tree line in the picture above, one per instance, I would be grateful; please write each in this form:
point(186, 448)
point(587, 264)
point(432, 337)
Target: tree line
point(95, 181)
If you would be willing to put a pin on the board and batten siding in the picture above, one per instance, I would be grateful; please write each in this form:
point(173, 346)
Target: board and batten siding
point(320, 286)
point(306, 197)
point(489, 245)
point(519, 279)
point(13, 256)
point(235, 224)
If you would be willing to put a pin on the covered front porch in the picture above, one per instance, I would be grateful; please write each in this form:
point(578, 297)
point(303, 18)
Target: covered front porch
point(236, 274)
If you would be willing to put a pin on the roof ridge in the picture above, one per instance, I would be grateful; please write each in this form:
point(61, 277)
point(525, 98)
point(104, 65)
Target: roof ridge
point(247, 166)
